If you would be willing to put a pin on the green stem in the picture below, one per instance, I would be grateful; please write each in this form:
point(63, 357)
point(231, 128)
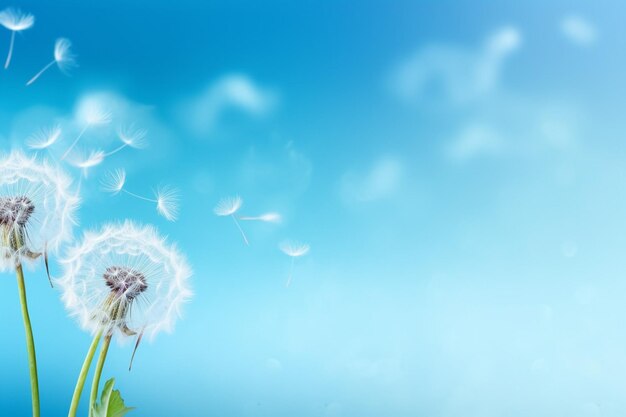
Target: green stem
point(83, 374)
point(30, 341)
point(98, 372)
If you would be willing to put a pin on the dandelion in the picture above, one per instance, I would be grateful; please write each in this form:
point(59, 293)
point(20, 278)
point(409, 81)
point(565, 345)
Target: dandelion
point(265, 217)
point(130, 137)
point(92, 114)
point(63, 57)
point(45, 138)
point(293, 250)
point(228, 207)
point(36, 215)
point(123, 280)
point(15, 21)
point(166, 198)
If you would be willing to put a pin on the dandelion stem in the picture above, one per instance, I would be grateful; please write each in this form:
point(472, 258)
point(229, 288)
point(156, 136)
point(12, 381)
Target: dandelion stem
point(293, 259)
point(30, 341)
point(116, 150)
point(83, 374)
point(140, 197)
point(82, 132)
point(8, 61)
point(44, 69)
point(98, 372)
point(245, 239)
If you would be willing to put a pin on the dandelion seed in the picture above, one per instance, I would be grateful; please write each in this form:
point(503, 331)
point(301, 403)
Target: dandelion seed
point(130, 137)
point(63, 58)
point(124, 280)
point(92, 114)
point(45, 138)
point(293, 250)
point(165, 197)
point(36, 216)
point(15, 21)
point(167, 202)
point(228, 207)
point(94, 158)
point(266, 217)
point(114, 181)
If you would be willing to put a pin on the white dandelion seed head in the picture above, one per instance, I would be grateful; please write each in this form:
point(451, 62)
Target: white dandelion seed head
point(167, 202)
point(228, 206)
point(132, 136)
point(294, 249)
point(15, 20)
point(37, 203)
point(44, 138)
point(113, 181)
point(63, 55)
point(128, 267)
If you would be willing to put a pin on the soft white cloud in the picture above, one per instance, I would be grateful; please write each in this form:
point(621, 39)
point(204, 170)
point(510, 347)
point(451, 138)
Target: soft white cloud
point(280, 168)
point(463, 74)
point(380, 181)
point(236, 92)
point(578, 30)
point(474, 140)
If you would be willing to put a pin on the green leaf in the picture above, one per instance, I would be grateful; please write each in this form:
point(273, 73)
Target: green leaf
point(111, 402)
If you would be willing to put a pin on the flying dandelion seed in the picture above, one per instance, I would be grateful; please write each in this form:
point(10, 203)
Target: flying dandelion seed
point(293, 250)
point(130, 137)
point(92, 114)
point(15, 21)
point(94, 158)
point(266, 217)
point(63, 58)
point(228, 207)
point(124, 281)
point(166, 198)
point(45, 138)
point(36, 215)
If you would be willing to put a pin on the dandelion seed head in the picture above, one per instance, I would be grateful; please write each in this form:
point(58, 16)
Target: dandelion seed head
point(16, 20)
point(123, 278)
point(45, 138)
point(294, 249)
point(63, 55)
point(114, 181)
point(228, 206)
point(133, 137)
point(167, 202)
point(37, 208)
point(15, 210)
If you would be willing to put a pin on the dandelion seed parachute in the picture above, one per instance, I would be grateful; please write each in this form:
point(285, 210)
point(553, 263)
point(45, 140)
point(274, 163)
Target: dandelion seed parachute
point(228, 207)
point(125, 278)
point(293, 250)
point(45, 138)
point(63, 58)
point(166, 198)
point(15, 21)
point(94, 158)
point(38, 204)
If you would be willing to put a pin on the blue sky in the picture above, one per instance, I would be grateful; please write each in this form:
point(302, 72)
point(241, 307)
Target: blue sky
point(456, 166)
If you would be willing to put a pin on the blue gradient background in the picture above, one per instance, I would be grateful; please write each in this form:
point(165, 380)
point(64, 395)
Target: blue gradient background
point(487, 286)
